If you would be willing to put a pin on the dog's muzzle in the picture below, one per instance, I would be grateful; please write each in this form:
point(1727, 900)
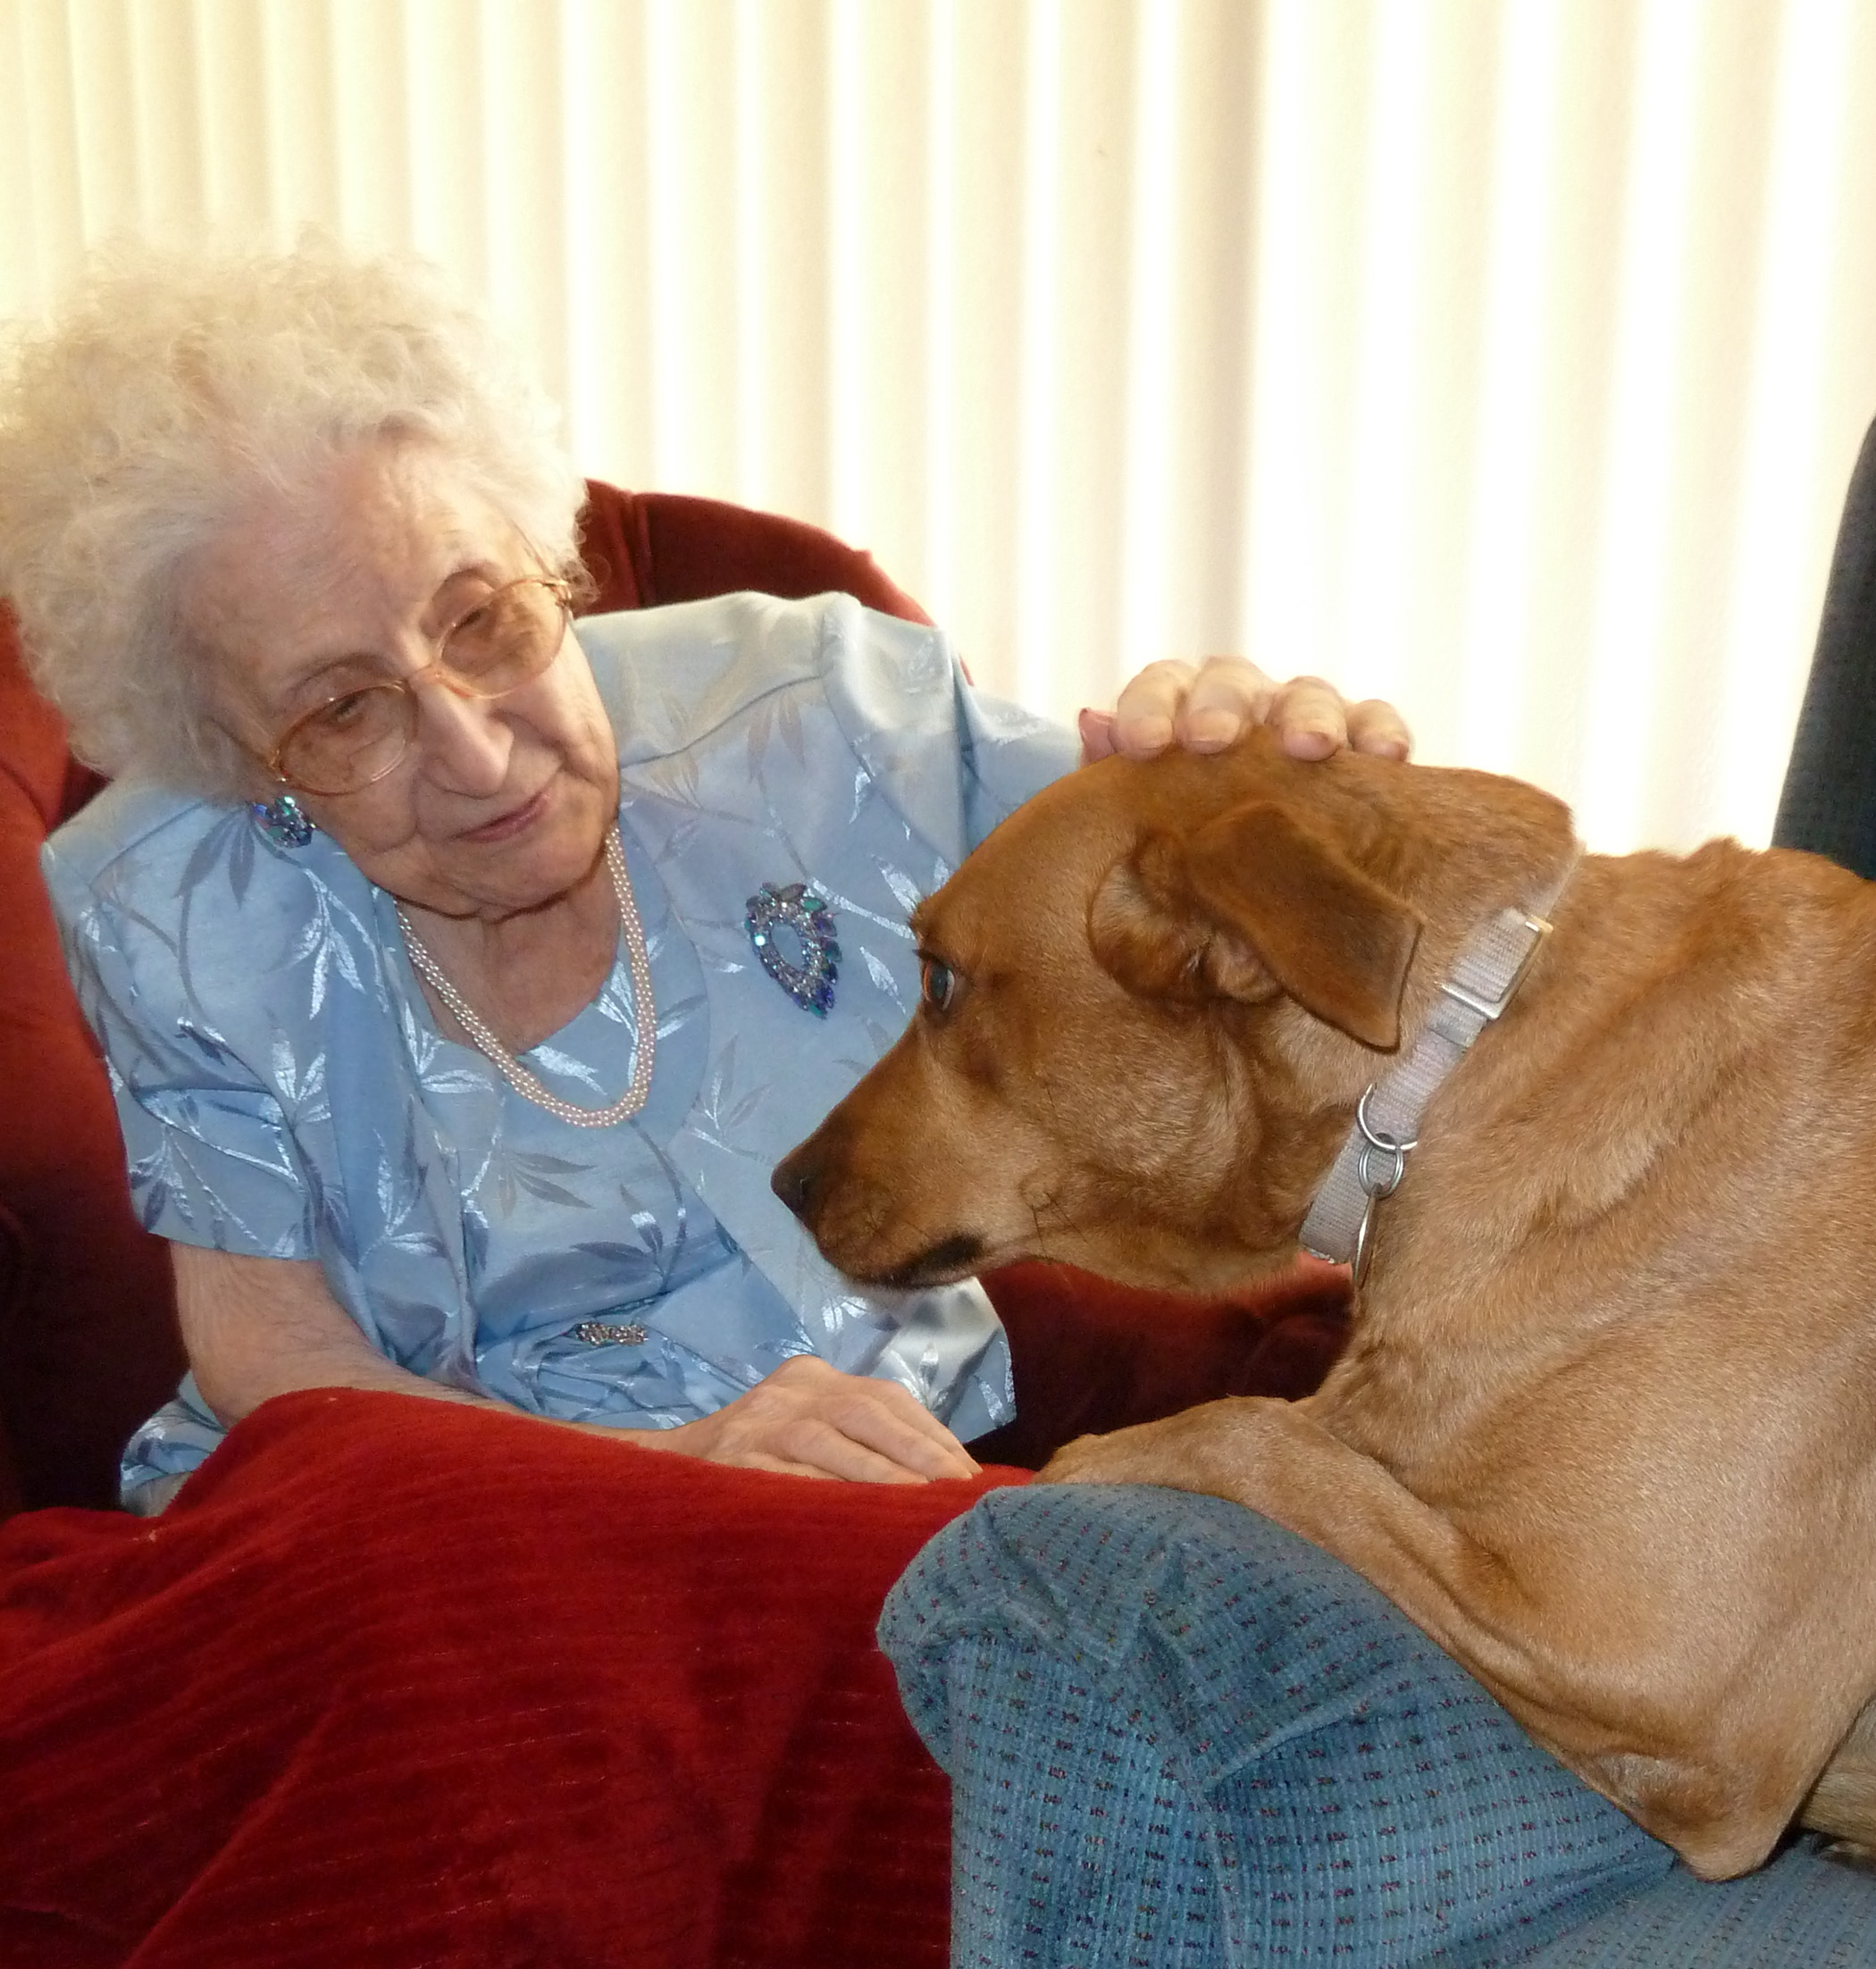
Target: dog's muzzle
point(848, 1218)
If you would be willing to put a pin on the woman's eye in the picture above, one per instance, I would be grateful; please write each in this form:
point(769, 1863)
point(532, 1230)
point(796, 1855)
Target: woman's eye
point(343, 711)
point(937, 984)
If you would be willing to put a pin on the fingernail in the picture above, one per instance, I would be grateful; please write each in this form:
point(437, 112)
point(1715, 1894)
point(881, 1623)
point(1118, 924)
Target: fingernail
point(1149, 734)
point(1211, 730)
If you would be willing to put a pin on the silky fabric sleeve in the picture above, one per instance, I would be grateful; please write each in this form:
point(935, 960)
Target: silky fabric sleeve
point(954, 761)
point(210, 1157)
point(1009, 755)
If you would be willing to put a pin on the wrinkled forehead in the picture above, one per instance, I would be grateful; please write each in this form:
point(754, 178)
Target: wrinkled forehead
point(365, 547)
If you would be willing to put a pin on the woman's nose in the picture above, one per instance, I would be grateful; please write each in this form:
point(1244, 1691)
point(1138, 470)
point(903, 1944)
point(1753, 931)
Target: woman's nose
point(463, 745)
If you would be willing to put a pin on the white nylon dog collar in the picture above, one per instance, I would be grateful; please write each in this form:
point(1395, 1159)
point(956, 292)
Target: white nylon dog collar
point(1484, 979)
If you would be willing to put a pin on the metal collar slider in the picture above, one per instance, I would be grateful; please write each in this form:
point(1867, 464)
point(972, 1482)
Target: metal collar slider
point(1489, 1001)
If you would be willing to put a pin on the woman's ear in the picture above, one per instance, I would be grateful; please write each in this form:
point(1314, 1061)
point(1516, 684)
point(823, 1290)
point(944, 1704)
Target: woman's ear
point(1251, 903)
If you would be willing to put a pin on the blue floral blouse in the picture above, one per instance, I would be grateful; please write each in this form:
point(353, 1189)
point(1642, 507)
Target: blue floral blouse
point(284, 1091)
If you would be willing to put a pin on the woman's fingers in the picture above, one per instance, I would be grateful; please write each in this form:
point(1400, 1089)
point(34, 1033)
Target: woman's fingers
point(1204, 708)
point(1142, 723)
point(861, 1424)
point(814, 1448)
point(1097, 733)
point(812, 1420)
point(1227, 695)
point(1310, 718)
point(841, 1468)
point(1374, 725)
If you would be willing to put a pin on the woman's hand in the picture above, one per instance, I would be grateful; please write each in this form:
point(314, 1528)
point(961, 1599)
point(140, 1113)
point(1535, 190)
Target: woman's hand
point(1205, 706)
point(812, 1421)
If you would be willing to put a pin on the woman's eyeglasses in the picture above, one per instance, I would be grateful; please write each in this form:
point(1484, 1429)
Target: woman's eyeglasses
point(363, 732)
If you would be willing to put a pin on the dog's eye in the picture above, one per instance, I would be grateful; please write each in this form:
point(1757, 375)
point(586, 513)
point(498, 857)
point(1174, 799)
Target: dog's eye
point(937, 983)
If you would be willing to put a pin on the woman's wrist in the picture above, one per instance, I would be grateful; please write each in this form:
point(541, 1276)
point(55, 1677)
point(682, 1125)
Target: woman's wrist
point(692, 1438)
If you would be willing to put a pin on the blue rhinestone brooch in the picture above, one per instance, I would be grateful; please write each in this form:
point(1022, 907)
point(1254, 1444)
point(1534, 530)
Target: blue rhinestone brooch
point(801, 917)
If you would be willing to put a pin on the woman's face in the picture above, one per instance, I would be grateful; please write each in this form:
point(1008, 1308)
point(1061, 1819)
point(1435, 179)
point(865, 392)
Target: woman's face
point(500, 805)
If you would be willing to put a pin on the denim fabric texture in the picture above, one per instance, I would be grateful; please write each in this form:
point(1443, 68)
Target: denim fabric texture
point(1801, 1912)
point(1178, 1735)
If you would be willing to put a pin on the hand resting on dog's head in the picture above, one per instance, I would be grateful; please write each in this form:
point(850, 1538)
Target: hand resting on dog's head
point(1206, 706)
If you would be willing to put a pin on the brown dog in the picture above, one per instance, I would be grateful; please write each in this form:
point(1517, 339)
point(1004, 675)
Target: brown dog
point(1606, 1429)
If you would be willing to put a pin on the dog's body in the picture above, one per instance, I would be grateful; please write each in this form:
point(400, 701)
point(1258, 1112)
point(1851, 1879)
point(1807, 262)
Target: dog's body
point(1606, 1427)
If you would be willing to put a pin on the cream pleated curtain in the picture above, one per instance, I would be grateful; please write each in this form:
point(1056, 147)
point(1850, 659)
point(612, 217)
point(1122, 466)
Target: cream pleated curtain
point(1506, 357)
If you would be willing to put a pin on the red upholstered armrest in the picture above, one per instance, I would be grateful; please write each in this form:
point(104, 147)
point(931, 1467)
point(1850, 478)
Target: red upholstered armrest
point(10, 1499)
point(88, 1339)
point(646, 549)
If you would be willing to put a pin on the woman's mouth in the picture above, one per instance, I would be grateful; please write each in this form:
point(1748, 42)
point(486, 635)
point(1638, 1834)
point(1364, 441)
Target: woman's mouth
point(506, 826)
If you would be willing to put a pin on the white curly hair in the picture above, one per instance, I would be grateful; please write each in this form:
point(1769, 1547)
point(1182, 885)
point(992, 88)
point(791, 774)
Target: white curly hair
point(169, 388)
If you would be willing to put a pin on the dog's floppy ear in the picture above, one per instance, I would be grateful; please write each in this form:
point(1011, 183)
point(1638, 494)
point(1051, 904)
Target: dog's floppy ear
point(1252, 903)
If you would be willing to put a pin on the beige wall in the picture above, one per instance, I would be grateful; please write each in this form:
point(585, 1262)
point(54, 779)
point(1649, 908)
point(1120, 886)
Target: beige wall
point(1506, 356)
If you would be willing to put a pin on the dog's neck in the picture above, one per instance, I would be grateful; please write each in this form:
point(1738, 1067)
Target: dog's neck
point(1372, 1163)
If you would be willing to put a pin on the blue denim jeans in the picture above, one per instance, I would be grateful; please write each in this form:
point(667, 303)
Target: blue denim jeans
point(1178, 1735)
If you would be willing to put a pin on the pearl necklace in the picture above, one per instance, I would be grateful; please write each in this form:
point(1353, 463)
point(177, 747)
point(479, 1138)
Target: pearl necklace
point(512, 1071)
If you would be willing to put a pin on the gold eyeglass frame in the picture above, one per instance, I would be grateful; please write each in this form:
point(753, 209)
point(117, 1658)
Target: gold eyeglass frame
point(405, 687)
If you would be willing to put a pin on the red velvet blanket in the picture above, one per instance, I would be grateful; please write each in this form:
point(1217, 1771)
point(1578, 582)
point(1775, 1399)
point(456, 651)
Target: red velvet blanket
point(398, 1683)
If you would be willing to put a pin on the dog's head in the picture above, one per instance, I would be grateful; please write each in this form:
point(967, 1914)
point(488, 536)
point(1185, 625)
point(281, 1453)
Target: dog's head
point(1150, 1001)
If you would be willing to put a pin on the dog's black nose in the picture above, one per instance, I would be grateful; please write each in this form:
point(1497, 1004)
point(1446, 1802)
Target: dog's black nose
point(797, 1176)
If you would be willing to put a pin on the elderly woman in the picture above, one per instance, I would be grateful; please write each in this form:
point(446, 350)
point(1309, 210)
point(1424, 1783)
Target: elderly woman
point(461, 977)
